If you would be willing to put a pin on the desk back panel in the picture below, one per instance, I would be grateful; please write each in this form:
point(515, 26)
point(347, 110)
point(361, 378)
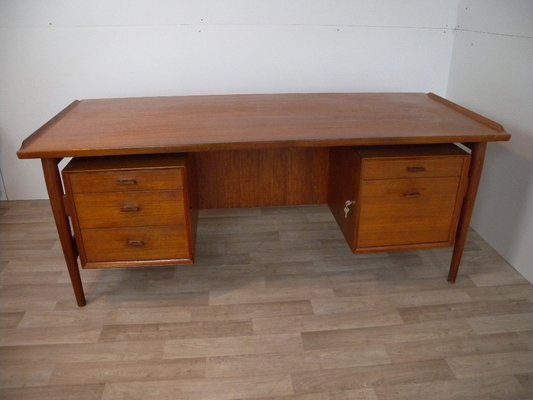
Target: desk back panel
point(262, 178)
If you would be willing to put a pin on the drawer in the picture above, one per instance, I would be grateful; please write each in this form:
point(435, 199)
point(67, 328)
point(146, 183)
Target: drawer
point(414, 167)
point(123, 209)
point(126, 180)
point(407, 211)
point(135, 244)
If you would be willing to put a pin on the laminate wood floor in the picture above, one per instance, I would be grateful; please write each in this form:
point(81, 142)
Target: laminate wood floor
point(276, 307)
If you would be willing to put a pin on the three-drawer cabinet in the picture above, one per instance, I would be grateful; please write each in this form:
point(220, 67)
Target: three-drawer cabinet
point(130, 211)
point(398, 197)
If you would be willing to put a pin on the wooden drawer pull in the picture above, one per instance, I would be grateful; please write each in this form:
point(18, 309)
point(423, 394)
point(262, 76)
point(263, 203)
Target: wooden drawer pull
point(130, 209)
point(415, 170)
point(412, 195)
point(126, 182)
point(135, 243)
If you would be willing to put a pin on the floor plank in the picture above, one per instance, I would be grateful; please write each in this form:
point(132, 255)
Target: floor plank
point(226, 346)
point(455, 346)
point(493, 364)
point(498, 388)
point(47, 335)
point(51, 392)
point(313, 323)
point(372, 376)
point(83, 352)
point(10, 319)
point(20, 375)
point(271, 363)
point(384, 335)
point(186, 330)
point(251, 310)
point(109, 317)
point(217, 389)
point(502, 323)
point(465, 310)
point(125, 371)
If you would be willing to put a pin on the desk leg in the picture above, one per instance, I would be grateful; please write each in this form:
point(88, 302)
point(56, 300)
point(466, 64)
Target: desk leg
point(474, 176)
point(56, 194)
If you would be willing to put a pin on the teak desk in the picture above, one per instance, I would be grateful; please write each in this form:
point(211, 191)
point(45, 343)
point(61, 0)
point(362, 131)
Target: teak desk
point(384, 162)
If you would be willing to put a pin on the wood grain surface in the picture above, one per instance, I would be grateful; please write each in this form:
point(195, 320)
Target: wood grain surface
point(262, 178)
point(277, 307)
point(198, 123)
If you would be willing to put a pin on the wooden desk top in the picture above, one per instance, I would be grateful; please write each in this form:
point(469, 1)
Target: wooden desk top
point(202, 123)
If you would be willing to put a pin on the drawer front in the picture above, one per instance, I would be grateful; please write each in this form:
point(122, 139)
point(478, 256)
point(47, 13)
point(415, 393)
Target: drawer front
point(126, 180)
point(135, 244)
point(415, 167)
point(122, 209)
point(407, 211)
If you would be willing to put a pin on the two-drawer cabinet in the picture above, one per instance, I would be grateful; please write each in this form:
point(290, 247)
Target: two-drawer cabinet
point(130, 211)
point(398, 197)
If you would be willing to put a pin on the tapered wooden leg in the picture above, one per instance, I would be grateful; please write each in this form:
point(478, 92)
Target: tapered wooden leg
point(474, 176)
point(56, 194)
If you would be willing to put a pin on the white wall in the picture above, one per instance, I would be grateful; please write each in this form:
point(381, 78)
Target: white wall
point(492, 73)
point(55, 51)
